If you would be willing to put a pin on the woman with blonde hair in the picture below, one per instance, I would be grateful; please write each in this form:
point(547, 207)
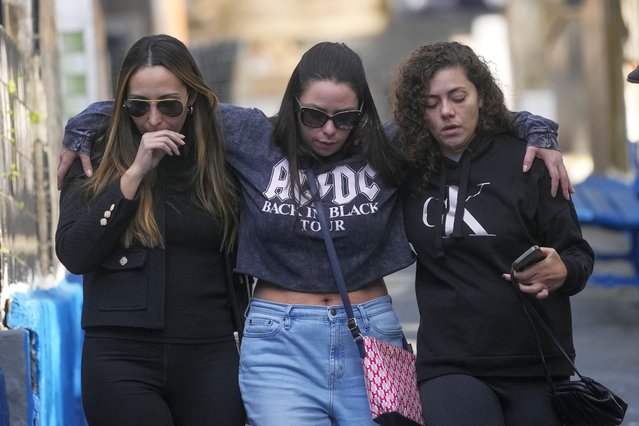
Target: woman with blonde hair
point(152, 232)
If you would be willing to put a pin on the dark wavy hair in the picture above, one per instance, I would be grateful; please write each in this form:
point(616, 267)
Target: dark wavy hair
point(409, 101)
point(335, 62)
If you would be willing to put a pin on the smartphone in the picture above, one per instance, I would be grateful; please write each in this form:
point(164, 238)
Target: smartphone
point(530, 256)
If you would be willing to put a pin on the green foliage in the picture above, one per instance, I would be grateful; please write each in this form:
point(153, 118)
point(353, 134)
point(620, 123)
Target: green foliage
point(35, 117)
point(6, 251)
point(12, 173)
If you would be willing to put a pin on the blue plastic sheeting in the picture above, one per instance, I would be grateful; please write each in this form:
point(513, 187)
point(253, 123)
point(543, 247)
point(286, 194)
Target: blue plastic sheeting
point(53, 316)
point(4, 405)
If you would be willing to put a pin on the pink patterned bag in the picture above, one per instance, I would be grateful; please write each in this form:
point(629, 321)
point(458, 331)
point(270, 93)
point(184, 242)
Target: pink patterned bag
point(389, 371)
point(391, 384)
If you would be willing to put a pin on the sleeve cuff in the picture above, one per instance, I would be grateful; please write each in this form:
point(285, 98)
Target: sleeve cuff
point(82, 129)
point(575, 280)
point(78, 140)
point(543, 140)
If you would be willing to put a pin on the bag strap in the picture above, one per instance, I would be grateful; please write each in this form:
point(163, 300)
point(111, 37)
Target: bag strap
point(352, 325)
point(528, 308)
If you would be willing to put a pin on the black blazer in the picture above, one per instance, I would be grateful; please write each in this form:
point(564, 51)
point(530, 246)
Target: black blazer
point(121, 286)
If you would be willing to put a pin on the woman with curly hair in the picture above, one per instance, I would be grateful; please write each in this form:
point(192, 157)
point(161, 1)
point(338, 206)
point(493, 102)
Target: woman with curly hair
point(469, 212)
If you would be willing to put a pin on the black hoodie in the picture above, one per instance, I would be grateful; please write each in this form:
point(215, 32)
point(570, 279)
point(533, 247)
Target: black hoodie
point(476, 217)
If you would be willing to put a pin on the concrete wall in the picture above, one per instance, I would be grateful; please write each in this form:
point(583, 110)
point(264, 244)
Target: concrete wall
point(39, 324)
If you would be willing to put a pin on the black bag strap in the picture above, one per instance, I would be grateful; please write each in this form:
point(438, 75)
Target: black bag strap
point(238, 295)
point(352, 325)
point(528, 309)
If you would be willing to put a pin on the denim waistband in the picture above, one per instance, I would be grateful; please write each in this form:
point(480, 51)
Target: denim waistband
point(329, 313)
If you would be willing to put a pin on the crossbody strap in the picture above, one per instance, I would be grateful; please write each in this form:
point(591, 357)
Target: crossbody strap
point(352, 325)
point(528, 309)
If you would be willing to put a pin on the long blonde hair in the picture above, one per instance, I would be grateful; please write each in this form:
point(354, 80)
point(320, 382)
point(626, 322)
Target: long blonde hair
point(216, 188)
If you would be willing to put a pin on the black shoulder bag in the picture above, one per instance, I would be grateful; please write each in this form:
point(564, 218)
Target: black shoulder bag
point(583, 402)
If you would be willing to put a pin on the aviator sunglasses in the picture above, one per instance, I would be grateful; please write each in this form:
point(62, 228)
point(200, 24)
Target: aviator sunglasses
point(168, 107)
point(315, 118)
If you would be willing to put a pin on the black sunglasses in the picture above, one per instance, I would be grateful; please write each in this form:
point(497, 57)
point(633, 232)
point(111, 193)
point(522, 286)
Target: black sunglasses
point(168, 107)
point(315, 118)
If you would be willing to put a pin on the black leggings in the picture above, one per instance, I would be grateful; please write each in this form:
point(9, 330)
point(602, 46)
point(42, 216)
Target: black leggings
point(461, 400)
point(127, 382)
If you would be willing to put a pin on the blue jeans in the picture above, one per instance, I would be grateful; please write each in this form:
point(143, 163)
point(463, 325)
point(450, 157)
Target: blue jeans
point(300, 366)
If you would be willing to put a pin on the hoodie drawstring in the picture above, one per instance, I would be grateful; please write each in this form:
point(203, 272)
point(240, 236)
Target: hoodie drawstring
point(439, 224)
point(462, 194)
point(460, 205)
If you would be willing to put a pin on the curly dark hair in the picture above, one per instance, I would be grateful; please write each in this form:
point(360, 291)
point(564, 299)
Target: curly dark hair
point(409, 101)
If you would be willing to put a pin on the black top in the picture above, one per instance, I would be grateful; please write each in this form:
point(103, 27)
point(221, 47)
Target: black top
point(176, 294)
point(471, 320)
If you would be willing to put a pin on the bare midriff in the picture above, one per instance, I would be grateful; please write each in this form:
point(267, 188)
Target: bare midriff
point(274, 293)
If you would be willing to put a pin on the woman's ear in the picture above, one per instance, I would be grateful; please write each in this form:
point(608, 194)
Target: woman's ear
point(191, 101)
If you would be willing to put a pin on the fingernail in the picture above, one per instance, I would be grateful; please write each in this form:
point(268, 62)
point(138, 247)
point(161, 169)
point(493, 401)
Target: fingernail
point(525, 168)
point(89, 172)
